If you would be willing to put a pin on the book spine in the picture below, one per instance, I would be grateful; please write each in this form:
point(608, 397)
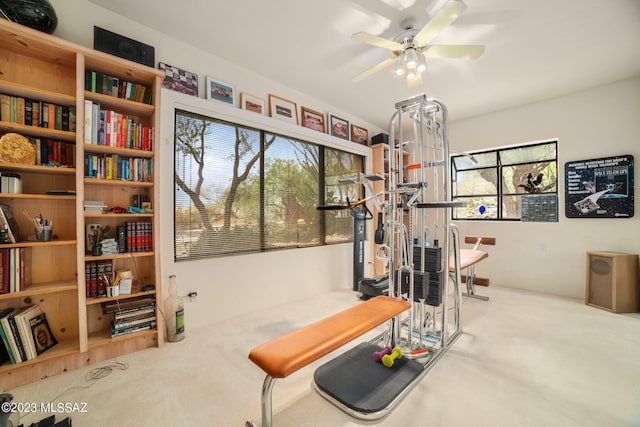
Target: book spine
point(87, 278)
point(22, 267)
point(16, 337)
point(7, 345)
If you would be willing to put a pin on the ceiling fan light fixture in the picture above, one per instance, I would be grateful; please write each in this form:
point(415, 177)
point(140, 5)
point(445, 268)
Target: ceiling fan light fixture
point(412, 58)
point(422, 63)
point(411, 74)
point(399, 65)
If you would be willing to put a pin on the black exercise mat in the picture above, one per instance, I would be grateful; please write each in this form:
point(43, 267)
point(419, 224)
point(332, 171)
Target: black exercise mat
point(360, 383)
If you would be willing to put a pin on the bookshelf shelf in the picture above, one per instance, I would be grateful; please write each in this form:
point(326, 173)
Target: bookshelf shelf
point(30, 244)
point(104, 338)
point(118, 182)
point(46, 69)
point(39, 197)
point(37, 132)
point(47, 170)
point(120, 256)
point(64, 348)
point(17, 89)
point(124, 105)
point(18, 196)
point(117, 215)
point(44, 288)
point(126, 152)
point(91, 301)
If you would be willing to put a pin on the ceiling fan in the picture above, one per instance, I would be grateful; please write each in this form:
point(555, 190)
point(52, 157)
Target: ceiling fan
point(411, 47)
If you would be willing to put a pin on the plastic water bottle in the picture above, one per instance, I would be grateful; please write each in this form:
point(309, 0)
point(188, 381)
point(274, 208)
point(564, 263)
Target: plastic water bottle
point(174, 312)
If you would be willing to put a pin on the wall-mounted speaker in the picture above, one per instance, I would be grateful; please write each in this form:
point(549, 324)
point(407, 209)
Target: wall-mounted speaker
point(123, 47)
point(612, 282)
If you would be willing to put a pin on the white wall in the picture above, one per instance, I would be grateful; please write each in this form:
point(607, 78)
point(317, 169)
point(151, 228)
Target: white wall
point(230, 286)
point(550, 257)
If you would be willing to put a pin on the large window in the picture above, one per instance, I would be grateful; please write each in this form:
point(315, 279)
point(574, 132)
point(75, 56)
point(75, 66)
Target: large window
point(492, 183)
point(242, 190)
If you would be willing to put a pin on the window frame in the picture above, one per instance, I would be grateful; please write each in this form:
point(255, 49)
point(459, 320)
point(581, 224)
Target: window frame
point(300, 135)
point(499, 167)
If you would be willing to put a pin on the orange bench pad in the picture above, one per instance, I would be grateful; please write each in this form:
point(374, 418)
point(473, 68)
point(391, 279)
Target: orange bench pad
point(284, 355)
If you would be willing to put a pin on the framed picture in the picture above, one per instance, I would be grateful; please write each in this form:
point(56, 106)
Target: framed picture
point(220, 91)
point(283, 109)
point(312, 119)
point(179, 80)
point(359, 135)
point(252, 103)
point(339, 127)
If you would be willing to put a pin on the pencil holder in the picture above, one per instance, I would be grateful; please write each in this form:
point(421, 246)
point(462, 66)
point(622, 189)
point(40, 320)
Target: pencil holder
point(43, 233)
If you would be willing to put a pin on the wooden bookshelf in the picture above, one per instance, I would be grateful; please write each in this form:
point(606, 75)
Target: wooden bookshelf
point(43, 68)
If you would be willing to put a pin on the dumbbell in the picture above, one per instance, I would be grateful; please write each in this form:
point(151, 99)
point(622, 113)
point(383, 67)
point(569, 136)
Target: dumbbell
point(377, 356)
point(389, 359)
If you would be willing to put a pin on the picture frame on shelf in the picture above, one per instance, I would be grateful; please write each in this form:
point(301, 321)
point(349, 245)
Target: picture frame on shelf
point(359, 135)
point(338, 127)
point(218, 90)
point(283, 109)
point(252, 103)
point(313, 119)
point(179, 80)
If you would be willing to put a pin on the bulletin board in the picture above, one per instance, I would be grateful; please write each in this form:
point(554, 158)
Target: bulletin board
point(599, 188)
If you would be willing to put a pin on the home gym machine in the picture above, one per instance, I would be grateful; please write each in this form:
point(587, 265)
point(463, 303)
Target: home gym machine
point(419, 245)
point(368, 287)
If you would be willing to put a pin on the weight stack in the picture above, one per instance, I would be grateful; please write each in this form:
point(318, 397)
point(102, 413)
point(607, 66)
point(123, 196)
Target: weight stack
point(421, 284)
point(433, 272)
point(434, 298)
point(405, 282)
point(432, 258)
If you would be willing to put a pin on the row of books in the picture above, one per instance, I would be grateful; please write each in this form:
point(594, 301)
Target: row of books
point(9, 231)
point(139, 236)
point(95, 81)
point(131, 315)
point(12, 263)
point(24, 111)
point(94, 271)
point(25, 334)
point(51, 152)
point(113, 166)
point(113, 129)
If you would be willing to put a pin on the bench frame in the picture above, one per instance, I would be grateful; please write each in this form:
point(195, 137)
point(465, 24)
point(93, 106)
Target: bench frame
point(474, 255)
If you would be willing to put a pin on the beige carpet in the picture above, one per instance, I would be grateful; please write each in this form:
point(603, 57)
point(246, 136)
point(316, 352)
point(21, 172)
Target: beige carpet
point(525, 359)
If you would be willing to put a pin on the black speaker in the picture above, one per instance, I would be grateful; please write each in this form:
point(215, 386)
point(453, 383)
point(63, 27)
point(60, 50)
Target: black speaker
point(123, 47)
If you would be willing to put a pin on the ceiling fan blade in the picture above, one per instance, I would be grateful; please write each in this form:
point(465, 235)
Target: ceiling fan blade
point(442, 18)
point(374, 69)
point(415, 82)
point(454, 51)
point(372, 40)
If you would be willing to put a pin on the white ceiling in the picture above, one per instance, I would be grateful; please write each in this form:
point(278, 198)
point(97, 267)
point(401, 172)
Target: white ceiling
point(534, 49)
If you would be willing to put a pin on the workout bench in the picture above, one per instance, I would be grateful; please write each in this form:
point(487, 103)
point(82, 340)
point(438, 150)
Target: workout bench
point(468, 260)
point(284, 355)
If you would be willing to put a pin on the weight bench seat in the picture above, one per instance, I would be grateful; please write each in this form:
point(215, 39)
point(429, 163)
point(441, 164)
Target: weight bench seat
point(286, 354)
point(468, 257)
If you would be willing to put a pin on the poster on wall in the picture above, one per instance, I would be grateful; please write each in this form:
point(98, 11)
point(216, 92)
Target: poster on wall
point(599, 188)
